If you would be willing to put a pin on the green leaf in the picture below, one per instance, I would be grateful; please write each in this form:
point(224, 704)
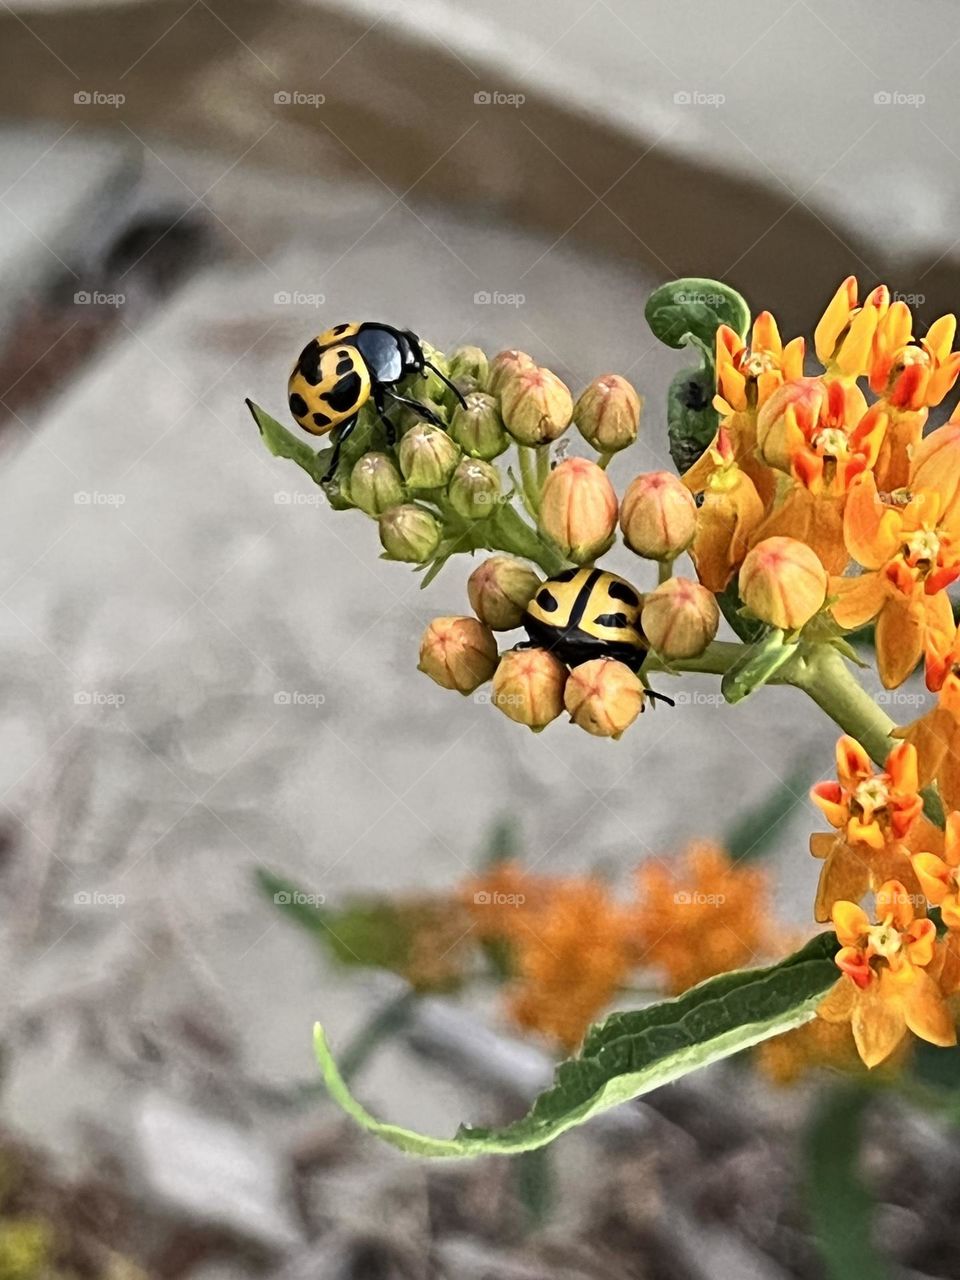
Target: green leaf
point(284, 444)
point(692, 420)
point(632, 1053)
point(689, 312)
point(840, 1205)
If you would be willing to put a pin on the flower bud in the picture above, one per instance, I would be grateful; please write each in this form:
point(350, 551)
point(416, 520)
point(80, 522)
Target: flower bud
point(504, 366)
point(474, 489)
point(528, 687)
point(410, 533)
point(468, 362)
point(375, 484)
point(500, 590)
point(658, 516)
point(578, 510)
point(427, 456)
point(536, 406)
point(783, 583)
point(680, 618)
point(608, 413)
point(458, 653)
point(478, 428)
point(604, 697)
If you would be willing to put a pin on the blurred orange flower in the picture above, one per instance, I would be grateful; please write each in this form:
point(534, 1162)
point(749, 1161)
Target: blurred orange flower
point(704, 916)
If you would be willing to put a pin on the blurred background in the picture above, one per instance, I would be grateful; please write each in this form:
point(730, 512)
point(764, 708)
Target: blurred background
point(207, 673)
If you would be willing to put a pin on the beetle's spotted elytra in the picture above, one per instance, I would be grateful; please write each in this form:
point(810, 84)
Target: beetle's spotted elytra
point(587, 613)
point(342, 368)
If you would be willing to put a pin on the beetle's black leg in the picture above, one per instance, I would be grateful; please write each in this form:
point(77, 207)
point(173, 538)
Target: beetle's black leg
point(659, 697)
point(427, 414)
point(389, 427)
point(443, 378)
point(342, 434)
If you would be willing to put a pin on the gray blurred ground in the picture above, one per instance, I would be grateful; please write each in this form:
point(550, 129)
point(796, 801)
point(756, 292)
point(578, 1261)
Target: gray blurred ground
point(204, 669)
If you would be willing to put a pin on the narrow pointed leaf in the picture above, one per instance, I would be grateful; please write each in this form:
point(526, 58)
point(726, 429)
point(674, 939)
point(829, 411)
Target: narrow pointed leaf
point(632, 1053)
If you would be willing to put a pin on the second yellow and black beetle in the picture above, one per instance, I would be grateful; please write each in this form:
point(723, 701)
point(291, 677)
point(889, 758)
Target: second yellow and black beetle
point(587, 613)
point(342, 368)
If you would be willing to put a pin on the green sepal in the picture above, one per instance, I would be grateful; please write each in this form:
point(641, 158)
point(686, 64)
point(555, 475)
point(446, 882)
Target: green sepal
point(688, 312)
point(631, 1053)
point(745, 628)
point(759, 664)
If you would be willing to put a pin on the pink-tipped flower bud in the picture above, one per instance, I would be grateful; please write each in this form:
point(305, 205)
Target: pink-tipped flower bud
point(783, 583)
point(578, 510)
point(504, 366)
point(458, 653)
point(474, 489)
point(410, 533)
point(500, 590)
point(608, 413)
point(478, 428)
point(604, 697)
point(375, 484)
point(680, 618)
point(658, 516)
point(536, 406)
point(427, 456)
point(528, 687)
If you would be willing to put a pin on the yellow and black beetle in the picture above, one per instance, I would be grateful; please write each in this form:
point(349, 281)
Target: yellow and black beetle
point(344, 367)
point(587, 613)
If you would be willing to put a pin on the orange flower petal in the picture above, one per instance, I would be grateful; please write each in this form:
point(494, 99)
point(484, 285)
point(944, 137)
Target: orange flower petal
point(851, 922)
point(878, 1024)
point(926, 1012)
point(901, 627)
point(857, 601)
point(853, 763)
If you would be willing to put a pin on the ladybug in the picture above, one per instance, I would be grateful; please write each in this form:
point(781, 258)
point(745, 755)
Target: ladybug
point(344, 367)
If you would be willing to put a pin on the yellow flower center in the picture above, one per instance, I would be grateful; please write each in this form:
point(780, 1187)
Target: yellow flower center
point(885, 939)
point(870, 795)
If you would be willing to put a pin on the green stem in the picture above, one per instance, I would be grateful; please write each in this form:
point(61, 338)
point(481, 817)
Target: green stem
point(824, 676)
point(715, 660)
point(528, 479)
point(603, 460)
point(664, 570)
point(543, 466)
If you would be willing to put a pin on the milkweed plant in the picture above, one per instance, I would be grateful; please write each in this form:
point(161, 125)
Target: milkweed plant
point(823, 526)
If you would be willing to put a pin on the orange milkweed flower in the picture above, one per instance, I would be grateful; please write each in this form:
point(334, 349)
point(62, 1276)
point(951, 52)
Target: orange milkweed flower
point(705, 916)
point(844, 336)
point(910, 548)
point(832, 438)
point(873, 814)
point(871, 808)
point(569, 946)
point(747, 375)
point(913, 374)
point(940, 876)
point(890, 976)
point(728, 516)
point(936, 735)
